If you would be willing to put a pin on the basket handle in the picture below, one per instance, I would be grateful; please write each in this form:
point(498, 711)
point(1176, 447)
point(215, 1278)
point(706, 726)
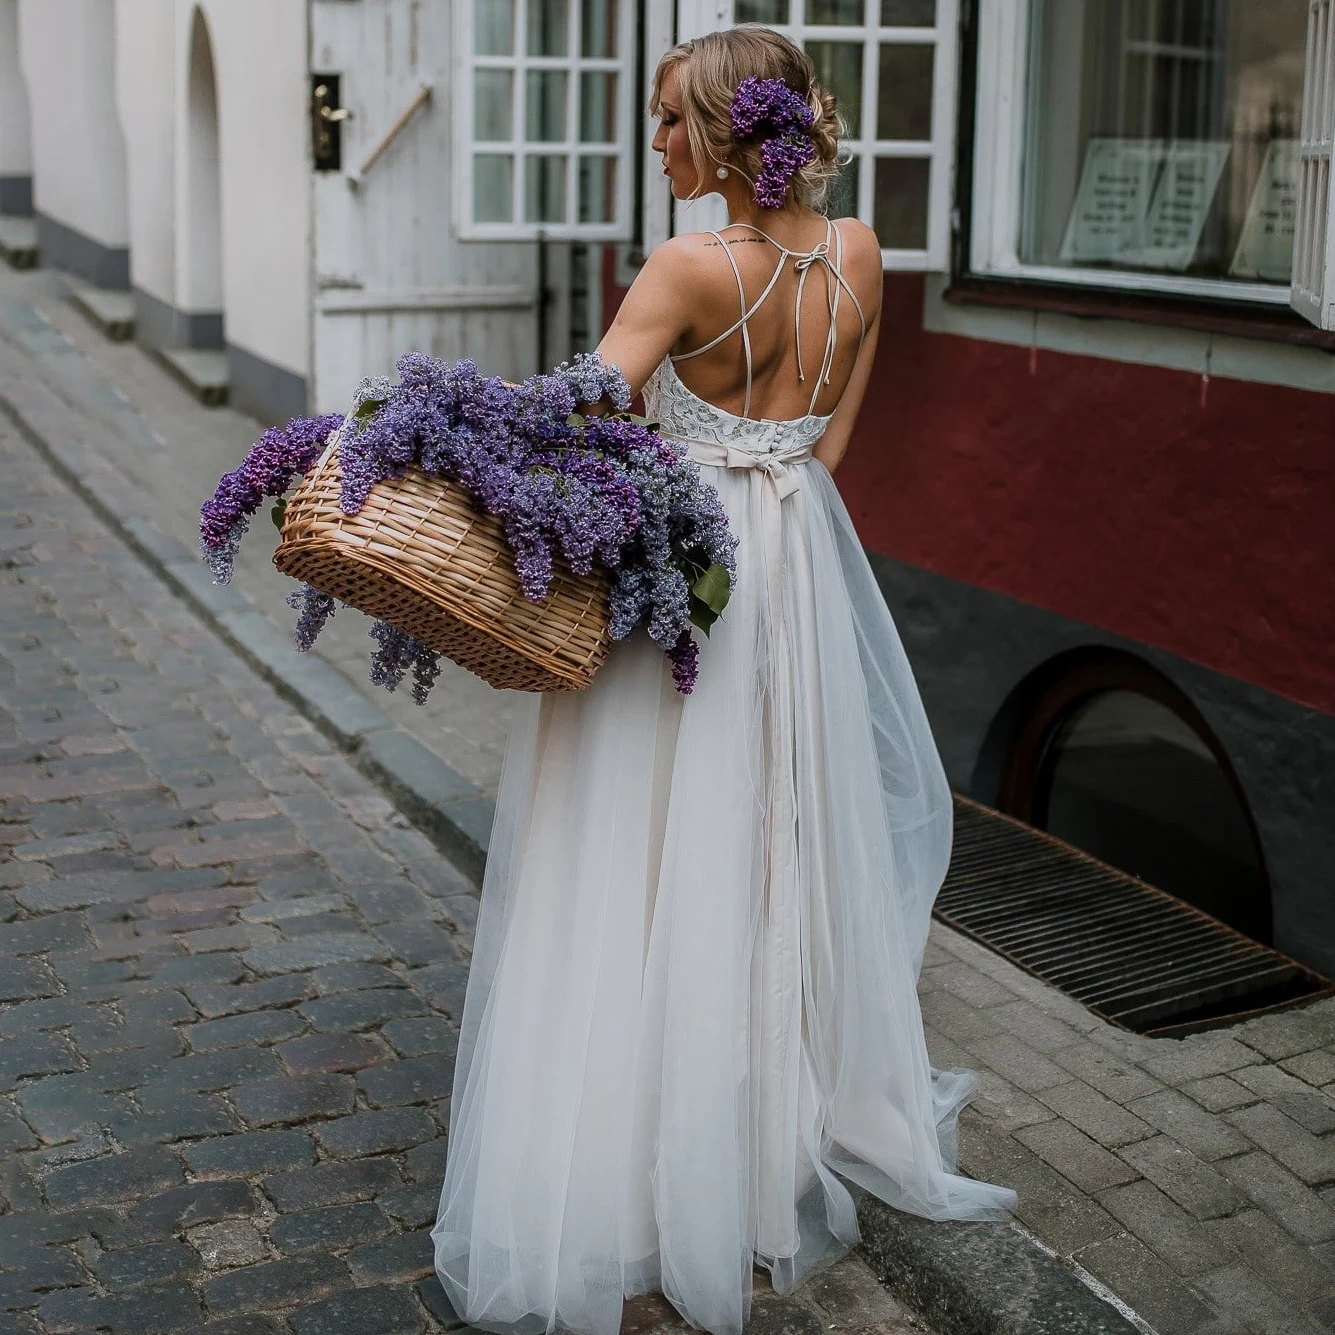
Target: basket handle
point(334, 437)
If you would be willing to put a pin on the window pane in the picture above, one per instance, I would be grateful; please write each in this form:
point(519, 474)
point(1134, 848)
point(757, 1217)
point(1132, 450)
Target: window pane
point(597, 189)
point(598, 28)
point(493, 187)
point(548, 27)
point(900, 216)
point(843, 200)
point(908, 13)
point(835, 11)
point(545, 188)
point(597, 107)
point(1127, 780)
point(493, 104)
point(904, 95)
point(761, 11)
point(494, 27)
point(1163, 136)
point(545, 117)
point(839, 71)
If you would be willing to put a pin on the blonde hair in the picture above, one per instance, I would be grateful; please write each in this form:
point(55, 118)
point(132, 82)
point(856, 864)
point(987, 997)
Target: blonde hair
point(709, 69)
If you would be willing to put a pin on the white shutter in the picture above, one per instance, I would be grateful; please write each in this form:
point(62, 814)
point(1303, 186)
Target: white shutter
point(1313, 291)
point(543, 118)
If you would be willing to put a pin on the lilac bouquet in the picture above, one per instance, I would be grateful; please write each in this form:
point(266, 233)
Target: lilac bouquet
point(593, 490)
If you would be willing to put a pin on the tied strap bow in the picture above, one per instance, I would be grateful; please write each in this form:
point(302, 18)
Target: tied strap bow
point(802, 265)
point(779, 478)
point(777, 468)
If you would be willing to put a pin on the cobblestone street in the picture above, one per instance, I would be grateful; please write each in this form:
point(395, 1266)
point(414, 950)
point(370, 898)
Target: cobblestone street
point(232, 970)
point(230, 979)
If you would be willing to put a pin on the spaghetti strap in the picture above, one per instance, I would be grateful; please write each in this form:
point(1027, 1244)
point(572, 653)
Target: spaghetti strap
point(803, 261)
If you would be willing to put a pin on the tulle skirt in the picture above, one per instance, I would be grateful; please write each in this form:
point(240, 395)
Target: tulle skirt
point(691, 1016)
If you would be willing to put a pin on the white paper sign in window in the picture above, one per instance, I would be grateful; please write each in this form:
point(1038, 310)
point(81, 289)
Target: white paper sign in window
point(892, 66)
point(1313, 290)
point(543, 119)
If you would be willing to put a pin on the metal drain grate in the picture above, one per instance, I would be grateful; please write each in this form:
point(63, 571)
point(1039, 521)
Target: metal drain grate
point(1133, 954)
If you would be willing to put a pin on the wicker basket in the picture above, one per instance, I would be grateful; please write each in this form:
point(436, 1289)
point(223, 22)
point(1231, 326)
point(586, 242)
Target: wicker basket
point(419, 556)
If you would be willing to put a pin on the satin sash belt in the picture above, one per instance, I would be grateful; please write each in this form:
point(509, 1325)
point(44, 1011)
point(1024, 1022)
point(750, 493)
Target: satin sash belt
point(779, 479)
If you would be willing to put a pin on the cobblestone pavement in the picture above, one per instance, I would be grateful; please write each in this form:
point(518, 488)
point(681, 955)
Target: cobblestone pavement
point(1195, 1178)
point(159, 436)
point(230, 976)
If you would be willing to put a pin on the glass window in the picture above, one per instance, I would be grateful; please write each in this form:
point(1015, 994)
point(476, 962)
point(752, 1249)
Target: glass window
point(891, 67)
point(1163, 137)
point(544, 117)
point(1130, 782)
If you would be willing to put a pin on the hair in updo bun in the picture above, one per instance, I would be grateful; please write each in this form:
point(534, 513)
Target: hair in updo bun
point(709, 70)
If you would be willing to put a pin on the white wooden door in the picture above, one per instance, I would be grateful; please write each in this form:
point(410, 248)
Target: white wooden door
point(390, 274)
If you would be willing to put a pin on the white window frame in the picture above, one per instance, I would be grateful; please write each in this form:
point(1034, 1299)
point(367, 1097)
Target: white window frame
point(1313, 291)
point(939, 150)
point(1000, 138)
point(466, 61)
point(694, 17)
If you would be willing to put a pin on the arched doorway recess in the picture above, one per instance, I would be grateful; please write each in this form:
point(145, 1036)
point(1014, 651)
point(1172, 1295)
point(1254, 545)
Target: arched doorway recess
point(201, 278)
point(1111, 756)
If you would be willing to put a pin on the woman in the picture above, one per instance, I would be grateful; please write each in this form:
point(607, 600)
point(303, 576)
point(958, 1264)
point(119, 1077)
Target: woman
point(691, 1019)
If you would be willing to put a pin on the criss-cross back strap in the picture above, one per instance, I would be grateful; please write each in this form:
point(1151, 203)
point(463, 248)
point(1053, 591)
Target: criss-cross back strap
point(803, 261)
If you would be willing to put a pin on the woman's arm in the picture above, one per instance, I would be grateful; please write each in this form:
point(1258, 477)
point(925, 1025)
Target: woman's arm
point(654, 313)
point(864, 250)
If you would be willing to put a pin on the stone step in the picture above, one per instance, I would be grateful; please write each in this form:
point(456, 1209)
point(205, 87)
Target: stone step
point(18, 241)
point(112, 312)
point(206, 373)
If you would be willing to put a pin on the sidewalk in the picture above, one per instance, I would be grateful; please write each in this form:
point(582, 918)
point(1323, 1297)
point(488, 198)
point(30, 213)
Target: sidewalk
point(1194, 1178)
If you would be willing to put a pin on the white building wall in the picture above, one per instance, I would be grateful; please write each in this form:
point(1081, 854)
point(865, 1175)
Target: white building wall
point(146, 78)
point(261, 62)
point(67, 53)
point(15, 142)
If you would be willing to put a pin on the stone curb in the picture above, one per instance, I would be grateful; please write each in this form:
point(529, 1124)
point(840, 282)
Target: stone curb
point(967, 1279)
point(981, 1279)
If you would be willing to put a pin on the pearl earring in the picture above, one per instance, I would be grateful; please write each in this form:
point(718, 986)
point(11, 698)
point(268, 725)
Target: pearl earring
point(722, 173)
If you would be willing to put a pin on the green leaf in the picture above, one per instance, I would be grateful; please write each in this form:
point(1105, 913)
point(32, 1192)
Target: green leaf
point(279, 512)
point(366, 411)
point(576, 419)
point(714, 587)
point(699, 615)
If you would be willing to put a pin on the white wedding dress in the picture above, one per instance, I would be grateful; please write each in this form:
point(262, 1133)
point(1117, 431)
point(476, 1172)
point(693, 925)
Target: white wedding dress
point(691, 1015)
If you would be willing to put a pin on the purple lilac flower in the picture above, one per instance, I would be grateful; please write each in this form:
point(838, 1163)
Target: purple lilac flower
point(396, 654)
point(780, 158)
point(313, 609)
point(280, 455)
point(768, 110)
point(591, 380)
point(685, 659)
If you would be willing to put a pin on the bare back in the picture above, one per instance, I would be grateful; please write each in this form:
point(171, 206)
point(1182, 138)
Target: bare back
point(778, 330)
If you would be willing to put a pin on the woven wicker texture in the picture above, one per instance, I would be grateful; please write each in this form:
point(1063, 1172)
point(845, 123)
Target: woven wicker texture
point(420, 557)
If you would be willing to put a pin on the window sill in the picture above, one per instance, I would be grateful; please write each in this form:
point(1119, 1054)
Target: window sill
point(1267, 324)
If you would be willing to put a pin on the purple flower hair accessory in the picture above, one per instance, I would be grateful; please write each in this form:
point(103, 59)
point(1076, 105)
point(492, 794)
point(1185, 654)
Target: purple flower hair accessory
point(767, 109)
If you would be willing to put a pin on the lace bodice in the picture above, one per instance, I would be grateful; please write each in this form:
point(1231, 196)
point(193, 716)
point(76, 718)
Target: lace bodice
point(683, 415)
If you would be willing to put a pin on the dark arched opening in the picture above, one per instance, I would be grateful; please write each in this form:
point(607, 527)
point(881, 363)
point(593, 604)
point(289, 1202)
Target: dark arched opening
point(1108, 754)
point(202, 269)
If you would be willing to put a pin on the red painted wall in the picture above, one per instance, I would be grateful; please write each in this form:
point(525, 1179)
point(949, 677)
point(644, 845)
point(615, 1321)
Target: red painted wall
point(1108, 493)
